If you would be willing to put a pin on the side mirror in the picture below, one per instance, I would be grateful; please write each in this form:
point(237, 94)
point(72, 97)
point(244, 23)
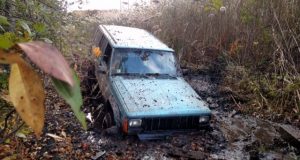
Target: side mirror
point(185, 71)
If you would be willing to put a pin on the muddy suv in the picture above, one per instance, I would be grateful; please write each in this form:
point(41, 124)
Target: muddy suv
point(142, 85)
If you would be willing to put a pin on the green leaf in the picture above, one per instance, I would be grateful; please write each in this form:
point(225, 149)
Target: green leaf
point(7, 40)
point(40, 28)
point(217, 4)
point(7, 141)
point(3, 21)
point(25, 26)
point(213, 6)
point(72, 95)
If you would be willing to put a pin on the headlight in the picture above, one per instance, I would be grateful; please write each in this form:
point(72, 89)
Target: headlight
point(203, 119)
point(135, 123)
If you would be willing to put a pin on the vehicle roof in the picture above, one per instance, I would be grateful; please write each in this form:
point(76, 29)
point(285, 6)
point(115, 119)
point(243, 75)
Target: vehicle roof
point(128, 37)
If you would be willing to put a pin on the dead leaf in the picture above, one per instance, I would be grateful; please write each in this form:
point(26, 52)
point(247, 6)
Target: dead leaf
point(97, 51)
point(85, 146)
point(64, 134)
point(27, 95)
point(234, 47)
point(49, 59)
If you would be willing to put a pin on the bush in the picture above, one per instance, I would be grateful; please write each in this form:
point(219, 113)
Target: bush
point(258, 41)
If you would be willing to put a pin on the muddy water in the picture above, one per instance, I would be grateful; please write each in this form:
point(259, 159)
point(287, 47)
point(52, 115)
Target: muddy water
point(232, 136)
point(246, 137)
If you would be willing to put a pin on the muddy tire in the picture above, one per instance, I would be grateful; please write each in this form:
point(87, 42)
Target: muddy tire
point(102, 117)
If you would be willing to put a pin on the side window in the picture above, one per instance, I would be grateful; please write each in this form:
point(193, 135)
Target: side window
point(107, 54)
point(106, 50)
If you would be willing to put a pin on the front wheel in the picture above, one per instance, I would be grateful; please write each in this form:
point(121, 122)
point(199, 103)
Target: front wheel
point(103, 118)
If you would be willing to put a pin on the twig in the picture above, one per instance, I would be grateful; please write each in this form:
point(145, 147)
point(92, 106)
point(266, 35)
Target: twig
point(6, 121)
point(11, 133)
point(266, 101)
point(95, 87)
point(235, 102)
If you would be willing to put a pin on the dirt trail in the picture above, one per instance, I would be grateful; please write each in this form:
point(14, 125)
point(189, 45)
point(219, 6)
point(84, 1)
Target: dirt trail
point(245, 137)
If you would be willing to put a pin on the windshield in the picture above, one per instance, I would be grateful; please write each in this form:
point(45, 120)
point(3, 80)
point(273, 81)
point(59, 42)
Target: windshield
point(137, 61)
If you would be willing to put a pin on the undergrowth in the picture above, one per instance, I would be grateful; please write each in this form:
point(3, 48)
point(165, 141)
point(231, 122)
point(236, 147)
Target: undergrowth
point(253, 44)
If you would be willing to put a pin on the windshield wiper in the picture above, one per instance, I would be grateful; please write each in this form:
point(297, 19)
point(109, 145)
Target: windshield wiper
point(152, 74)
point(159, 74)
point(127, 74)
point(147, 75)
point(168, 75)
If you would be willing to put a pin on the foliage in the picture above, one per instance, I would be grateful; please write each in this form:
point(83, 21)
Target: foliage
point(252, 48)
point(72, 95)
point(3, 81)
point(37, 20)
point(26, 88)
point(27, 95)
point(213, 5)
point(6, 40)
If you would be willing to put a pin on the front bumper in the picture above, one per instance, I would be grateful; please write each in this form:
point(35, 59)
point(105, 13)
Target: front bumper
point(164, 126)
point(157, 135)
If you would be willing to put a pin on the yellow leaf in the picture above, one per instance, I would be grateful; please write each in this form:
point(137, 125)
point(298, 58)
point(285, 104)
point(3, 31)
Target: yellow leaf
point(27, 95)
point(97, 52)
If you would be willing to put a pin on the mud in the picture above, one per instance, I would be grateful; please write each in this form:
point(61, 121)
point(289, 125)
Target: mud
point(232, 136)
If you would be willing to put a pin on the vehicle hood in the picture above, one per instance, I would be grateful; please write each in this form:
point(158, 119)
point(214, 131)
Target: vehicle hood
point(158, 97)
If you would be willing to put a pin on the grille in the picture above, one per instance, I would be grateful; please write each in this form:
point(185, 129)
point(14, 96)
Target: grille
point(170, 123)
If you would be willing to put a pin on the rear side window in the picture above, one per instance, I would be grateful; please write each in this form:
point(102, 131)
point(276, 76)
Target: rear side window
point(106, 50)
point(107, 54)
